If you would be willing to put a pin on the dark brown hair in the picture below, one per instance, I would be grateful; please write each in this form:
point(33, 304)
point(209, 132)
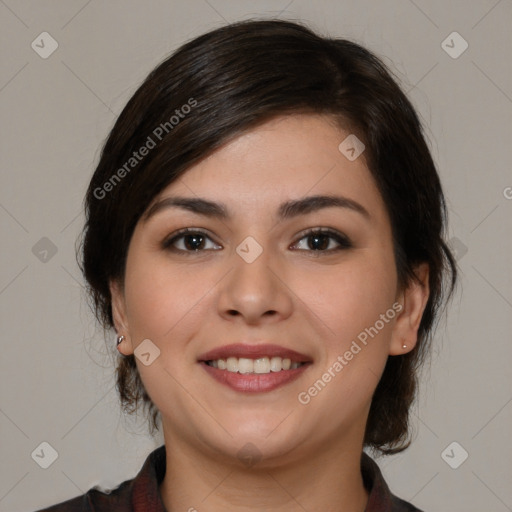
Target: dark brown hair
point(227, 81)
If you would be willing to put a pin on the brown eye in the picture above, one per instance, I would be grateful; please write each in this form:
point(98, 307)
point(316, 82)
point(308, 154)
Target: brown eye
point(189, 240)
point(319, 240)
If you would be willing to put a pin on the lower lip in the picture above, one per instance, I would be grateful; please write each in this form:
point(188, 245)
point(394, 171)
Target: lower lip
point(255, 382)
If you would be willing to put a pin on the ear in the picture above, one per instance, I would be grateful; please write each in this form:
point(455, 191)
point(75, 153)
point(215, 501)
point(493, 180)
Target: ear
point(413, 301)
point(119, 316)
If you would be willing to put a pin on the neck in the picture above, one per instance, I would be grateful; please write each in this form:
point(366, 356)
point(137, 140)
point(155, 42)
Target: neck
point(326, 478)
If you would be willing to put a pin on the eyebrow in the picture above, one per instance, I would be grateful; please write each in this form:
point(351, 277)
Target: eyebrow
point(287, 210)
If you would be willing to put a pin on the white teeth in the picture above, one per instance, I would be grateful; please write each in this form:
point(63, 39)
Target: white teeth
point(232, 364)
point(275, 364)
point(245, 365)
point(261, 365)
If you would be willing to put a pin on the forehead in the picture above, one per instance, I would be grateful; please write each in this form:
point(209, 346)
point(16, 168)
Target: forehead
point(287, 157)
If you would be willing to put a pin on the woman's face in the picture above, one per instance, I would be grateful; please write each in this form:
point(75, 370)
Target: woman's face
point(255, 277)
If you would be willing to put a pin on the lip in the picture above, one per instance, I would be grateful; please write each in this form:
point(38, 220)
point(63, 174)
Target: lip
point(254, 382)
point(254, 352)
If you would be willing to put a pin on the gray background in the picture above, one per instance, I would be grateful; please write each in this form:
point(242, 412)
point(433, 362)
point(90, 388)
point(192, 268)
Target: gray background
point(56, 374)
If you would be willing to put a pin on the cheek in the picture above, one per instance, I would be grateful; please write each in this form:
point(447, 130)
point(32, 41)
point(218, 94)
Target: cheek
point(162, 304)
point(351, 298)
point(357, 306)
point(151, 296)
point(163, 300)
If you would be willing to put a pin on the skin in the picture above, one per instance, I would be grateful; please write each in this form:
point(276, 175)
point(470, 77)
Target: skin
point(313, 301)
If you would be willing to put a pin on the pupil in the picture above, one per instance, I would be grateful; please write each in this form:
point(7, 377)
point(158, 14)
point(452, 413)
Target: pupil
point(196, 242)
point(318, 245)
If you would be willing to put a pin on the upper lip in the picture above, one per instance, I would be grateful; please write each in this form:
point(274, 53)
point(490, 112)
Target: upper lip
point(253, 352)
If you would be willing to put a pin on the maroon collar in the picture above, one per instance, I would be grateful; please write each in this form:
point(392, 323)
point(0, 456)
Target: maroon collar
point(145, 493)
point(380, 498)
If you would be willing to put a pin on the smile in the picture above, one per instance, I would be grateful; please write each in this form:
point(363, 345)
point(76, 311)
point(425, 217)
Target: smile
point(261, 365)
point(254, 368)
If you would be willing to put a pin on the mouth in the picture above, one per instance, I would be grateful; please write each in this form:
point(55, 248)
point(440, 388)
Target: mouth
point(261, 365)
point(254, 368)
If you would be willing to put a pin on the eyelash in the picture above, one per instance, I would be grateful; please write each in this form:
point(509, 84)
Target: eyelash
point(343, 241)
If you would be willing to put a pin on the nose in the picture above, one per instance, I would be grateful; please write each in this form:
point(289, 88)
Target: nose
point(255, 292)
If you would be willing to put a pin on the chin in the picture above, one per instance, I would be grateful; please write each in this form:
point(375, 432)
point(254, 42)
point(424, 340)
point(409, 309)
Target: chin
point(263, 446)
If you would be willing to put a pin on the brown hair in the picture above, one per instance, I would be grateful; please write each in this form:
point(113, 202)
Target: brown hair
point(231, 79)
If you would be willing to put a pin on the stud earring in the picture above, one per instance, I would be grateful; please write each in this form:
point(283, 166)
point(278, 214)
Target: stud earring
point(404, 346)
point(119, 339)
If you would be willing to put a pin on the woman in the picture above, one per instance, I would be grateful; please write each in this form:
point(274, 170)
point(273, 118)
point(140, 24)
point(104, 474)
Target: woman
point(265, 234)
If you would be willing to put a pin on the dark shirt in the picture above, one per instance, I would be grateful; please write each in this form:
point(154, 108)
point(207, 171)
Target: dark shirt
point(141, 494)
